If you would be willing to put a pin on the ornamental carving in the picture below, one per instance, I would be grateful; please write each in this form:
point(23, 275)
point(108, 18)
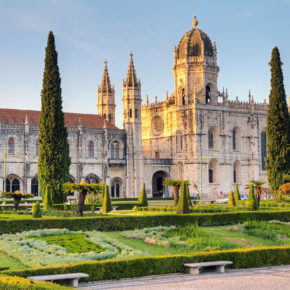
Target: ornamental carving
point(157, 126)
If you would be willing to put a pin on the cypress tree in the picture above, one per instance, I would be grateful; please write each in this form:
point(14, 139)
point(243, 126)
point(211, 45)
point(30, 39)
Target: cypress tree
point(107, 206)
point(237, 193)
point(53, 160)
point(36, 210)
point(232, 202)
point(142, 200)
point(252, 202)
point(278, 127)
point(182, 206)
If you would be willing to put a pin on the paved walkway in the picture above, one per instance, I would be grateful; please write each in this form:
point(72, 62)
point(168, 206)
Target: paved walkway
point(248, 279)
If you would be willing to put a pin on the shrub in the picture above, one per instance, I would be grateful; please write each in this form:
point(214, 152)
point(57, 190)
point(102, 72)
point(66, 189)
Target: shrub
point(142, 201)
point(232, 202)
point(253, 205)
point(107, 206)
point(182, 206)
point(136, 267)
point(237, 193)
point(36, 211)
point(15, 283)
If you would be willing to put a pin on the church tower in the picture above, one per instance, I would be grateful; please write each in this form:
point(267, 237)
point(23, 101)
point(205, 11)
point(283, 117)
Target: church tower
point(132, 124)
point(195, 68)
point(106, 98)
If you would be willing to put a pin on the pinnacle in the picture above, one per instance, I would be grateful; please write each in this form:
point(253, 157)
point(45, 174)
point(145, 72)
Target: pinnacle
point(106, 84)
point(131, 80)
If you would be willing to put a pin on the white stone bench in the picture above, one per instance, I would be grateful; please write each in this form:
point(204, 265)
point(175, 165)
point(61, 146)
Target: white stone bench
point(114, 207)
point(220, 266)
point(72, 278)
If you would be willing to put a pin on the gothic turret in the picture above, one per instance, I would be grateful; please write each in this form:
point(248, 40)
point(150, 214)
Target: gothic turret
point(106, 97)
point(132, 124)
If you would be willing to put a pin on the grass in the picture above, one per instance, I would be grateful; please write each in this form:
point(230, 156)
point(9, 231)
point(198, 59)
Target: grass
point(9, 262)
point(73, 243)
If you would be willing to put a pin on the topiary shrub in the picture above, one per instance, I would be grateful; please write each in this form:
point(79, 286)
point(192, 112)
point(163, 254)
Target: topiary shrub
point(252, 204)
point(182, 206)
point(142, 200)
point(232, 202)
point(237, 193)
point(17, 196)
point(107, 206)
point(36, 211)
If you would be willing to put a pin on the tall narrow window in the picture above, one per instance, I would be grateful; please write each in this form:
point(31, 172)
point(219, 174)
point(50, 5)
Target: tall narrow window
point(235, 175)
point(11, 146)
point(15, 185)
point(130, 113)
point(183, 97)
point(115, 147)
point(207, 95)
point(234, 139)
point(91, 149)
point(110, 118)
point(34, 186)
point(210, 139)
point(263, 149)
point(210, 176)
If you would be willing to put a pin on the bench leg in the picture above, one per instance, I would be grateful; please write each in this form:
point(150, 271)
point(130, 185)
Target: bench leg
point(194, 271)
point(74, 282)
point(220, 269)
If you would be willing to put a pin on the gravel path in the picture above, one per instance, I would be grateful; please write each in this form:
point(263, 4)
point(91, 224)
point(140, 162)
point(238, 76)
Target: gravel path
point(248, 279)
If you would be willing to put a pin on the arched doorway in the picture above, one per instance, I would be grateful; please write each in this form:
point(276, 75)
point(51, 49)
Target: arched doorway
point(116, 186)
point(158, 189)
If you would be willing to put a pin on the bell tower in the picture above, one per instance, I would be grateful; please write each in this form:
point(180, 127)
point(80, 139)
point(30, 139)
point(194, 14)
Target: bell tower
point(106, 98)
point(195, 68)
point(132, 124)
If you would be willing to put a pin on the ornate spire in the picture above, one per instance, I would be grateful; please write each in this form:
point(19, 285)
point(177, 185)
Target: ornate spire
point(106, 84)
point(131, 80)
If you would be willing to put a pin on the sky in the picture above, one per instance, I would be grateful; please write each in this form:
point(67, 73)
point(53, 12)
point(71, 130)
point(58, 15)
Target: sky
point(89, 31)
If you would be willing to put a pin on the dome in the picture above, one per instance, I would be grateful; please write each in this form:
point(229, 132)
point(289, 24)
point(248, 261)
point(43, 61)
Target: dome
point(193, 42)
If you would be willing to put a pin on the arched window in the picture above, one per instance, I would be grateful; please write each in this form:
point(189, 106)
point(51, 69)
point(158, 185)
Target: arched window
point(207, 95)
point(263, 149)
point(210, 139)
point(36, 148)
point(210, 176)
point(15, 185)
point(11, 146)
point(115, 148)
point(34, 186)
point(8, 185)
point(116, 188)
point(92, 179)
point(234, 140)
point(130, 113)
point(91, 149)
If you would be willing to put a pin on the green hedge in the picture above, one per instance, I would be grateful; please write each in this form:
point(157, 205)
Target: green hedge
point(135, 267)
point(119, 223)
point(15, 283)
point(88, 207)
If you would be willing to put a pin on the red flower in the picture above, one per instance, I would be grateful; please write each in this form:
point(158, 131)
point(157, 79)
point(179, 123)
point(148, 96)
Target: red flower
point(47, 203)
point(59, 208)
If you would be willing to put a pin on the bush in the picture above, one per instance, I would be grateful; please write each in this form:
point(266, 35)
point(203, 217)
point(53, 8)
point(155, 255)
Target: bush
point(136, 267)
point(182, 206)
point(15, 283)
point(237, 193)
point(120, 223)
point(107, 206)
point(232, 202)
point(142, 201)
point(253, 205)
point(36, 211)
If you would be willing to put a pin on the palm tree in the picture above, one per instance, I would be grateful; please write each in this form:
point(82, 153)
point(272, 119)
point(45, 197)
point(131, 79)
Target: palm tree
point(259, 189)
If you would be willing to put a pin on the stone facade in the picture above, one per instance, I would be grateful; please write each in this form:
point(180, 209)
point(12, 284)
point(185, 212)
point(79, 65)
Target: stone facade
point(196, 133)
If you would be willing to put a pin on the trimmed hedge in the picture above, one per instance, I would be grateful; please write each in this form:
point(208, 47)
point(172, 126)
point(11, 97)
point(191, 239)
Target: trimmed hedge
point(88, 207)
point(136, 267)
point(14, 283)
point(119, 223)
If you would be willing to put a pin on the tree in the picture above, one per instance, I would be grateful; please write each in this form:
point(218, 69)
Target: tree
point(53, 160)
point(83, 188)
point(232, 202)
point(237, 193)
point(142, 200)
point(176, 184)
point(182, 207)
point(259, 189)
point(107, 206)
point(36, 210)
point(278, 127)
point(17, 196)
point(252, 203)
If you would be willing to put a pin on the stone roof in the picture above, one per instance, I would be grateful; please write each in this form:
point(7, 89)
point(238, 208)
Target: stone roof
point(18, 117)
point(106, 84)
point(131, 80)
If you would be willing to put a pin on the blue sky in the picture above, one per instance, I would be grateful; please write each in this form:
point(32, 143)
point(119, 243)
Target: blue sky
point(88, 31)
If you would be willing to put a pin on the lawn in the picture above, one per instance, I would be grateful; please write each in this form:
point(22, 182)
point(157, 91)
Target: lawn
point(9, 262)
